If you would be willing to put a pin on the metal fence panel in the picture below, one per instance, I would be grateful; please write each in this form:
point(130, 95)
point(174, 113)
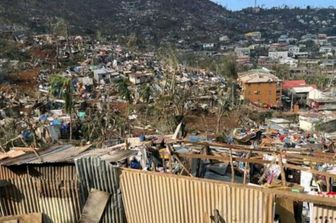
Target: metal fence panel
point(152, 197)
point(57, 200)
point(94, 173)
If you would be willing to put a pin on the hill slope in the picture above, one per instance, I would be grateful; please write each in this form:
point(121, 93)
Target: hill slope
point(157, 21)
point(151, 19)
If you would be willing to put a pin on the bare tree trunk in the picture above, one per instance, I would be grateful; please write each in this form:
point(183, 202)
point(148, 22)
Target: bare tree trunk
point(219, 119)
point(70, 126)
point(57, 54)
point(67, 39)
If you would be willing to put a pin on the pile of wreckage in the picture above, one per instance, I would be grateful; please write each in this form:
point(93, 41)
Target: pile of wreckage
point(165, 178)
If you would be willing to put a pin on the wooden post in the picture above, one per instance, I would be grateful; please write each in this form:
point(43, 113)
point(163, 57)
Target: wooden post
point(170, 164)
point(328, 184)
point(232, 168)
point(183, 167)
point(246, 167)
point(164, 164)
point(283, 175)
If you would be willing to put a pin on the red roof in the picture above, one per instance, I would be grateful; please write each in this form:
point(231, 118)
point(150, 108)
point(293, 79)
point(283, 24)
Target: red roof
point(293, 83)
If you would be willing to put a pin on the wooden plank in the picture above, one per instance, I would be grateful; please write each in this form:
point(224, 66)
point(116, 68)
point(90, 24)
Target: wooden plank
point(232, 168)
point(257, 161)
point(246, 168)
point(297, 153)
point(283, 175)
point(94, 206)
point(285, 208)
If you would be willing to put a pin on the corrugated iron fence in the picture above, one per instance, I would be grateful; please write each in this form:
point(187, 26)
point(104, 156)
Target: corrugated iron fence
point(47, 190)
point(322, 213)
point(94, 173)
point(60, 192)
point(151, 198)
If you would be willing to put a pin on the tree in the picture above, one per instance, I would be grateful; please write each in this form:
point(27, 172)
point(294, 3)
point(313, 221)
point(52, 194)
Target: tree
point(61, 87)
point(99, 36)
point(145, 93)
point(282, 71)
point(123, 90)
point(61, 28)
point(223, 106)
point(169, 57)
point(226, 66)
point(230, 68)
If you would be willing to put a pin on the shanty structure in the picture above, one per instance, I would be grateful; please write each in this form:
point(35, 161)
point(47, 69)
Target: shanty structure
point(199, 182)
point(48, 182)
point(260, 87)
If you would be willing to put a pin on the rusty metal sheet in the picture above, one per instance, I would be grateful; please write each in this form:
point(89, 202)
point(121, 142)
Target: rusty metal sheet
point(94, 206)
point(94, 173)
point(152, 197)
point(52, 172)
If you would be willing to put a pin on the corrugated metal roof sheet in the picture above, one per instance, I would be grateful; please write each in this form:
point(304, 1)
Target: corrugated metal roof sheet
point(54, 154)
point(65, 154)
point(94, 173)
point(257, 77)
point(109, 155)
point(51, 172)
point(152, 197)
point(287, 84)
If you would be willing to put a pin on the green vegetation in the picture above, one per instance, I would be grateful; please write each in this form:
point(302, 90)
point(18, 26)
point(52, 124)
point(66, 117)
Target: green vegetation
point(10, 51)
point(222, 64)
point(61, 87)
point(146, 93)
point(123, 89)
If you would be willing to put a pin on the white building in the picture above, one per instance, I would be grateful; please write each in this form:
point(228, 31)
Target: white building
point(326, 49)
point(242, 51)
point(208, 46)
point(140, 78)
point(224, 39)
point(277, 55)
point(293, 49)
point(101, 74)
point(289, 61)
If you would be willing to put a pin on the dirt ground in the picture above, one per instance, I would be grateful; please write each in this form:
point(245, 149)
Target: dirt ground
point(208, 122)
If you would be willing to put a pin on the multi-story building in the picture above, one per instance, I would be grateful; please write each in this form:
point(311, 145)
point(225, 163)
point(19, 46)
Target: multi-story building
point(260, 87)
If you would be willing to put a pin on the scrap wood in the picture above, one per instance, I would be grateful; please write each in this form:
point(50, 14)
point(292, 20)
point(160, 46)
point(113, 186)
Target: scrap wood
point(316, 156)
point(283, 175)
point(232, 167)
point(94, 206)
point(29, 149)
point(246, 168)
point(261, 179)
point(183, 167)
point(284, 207)
point(84, 148)
point(11, 140)
point(262, 162)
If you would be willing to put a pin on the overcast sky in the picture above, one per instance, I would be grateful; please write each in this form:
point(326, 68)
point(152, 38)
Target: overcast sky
point(239, 4)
